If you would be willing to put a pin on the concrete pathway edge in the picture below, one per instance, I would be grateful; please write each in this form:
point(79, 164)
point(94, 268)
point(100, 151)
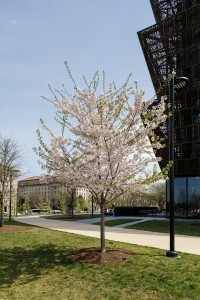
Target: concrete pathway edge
point(187, 244)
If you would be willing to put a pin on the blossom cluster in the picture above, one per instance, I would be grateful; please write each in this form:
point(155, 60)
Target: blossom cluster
point(104, 143)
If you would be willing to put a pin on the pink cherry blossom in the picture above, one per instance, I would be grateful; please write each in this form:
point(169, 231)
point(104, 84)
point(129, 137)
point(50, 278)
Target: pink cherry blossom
point(104, 143)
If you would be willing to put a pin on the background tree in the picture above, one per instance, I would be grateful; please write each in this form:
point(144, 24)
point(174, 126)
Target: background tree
point(131, 198)
point(46, 204)
point(20, 201)
point(25, 205)
point(81, 203)
point(158, 192)
point(107, 148)
point(60, 200)
point(43, 203)
point(40, 201)
point(10, 161)
point(14, 174)
point(71, 200)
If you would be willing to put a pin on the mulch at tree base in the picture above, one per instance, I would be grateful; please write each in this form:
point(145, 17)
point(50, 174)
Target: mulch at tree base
point(94, 256)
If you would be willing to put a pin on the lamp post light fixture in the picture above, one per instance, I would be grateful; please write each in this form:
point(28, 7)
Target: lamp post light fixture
point(176, 83)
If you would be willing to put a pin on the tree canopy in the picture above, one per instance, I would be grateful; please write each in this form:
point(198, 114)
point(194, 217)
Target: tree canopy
point(107, 138)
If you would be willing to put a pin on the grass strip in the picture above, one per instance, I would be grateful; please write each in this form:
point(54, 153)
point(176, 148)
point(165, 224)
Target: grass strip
point(36, 264)
point(116, 222)
point(191, 228)
point(75, 217)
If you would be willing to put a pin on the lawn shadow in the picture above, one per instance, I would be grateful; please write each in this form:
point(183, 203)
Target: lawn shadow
point(31, 264)
point(150, 255)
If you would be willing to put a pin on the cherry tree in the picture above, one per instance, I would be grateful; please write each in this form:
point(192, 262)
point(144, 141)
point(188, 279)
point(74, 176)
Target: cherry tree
point(104, 144)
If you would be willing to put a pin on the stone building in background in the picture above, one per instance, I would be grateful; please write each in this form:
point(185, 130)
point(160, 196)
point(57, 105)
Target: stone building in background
point(32, 188)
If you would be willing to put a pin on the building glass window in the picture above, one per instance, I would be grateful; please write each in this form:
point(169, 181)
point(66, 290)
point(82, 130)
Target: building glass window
point(193, 133)
point(186, 197)
point(177, 119)
point(194, 196)
point(187, 150)
point(196, 115)
point(185, 117)
point(192, 98)
point(181, 135)
point(180, 196)
point(196, 150)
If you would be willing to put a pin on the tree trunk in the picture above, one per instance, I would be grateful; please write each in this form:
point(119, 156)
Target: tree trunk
point(72, 205)
point(103, 248)
point(1, 210)
point(10, 203)
point(92, 206)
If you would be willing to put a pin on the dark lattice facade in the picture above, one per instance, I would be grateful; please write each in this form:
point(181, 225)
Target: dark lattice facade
point(174, 42)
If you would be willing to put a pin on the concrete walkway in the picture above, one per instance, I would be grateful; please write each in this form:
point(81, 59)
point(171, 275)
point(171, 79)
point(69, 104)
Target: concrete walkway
point(183, 243)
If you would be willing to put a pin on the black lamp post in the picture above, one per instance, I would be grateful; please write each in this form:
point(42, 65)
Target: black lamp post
point(175, 83)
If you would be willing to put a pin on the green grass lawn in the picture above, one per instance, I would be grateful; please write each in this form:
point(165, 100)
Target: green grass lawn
point(181, 227)
point(36, 264)
point(116, 222)
point(75, 217)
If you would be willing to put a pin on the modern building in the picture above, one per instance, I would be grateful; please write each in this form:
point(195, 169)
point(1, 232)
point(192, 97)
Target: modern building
point(174, 43)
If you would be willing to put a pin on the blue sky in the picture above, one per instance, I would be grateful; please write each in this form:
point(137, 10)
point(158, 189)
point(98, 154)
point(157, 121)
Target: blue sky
point(38, 36)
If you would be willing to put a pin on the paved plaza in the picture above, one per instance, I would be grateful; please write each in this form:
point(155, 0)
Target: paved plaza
point(188, 244)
